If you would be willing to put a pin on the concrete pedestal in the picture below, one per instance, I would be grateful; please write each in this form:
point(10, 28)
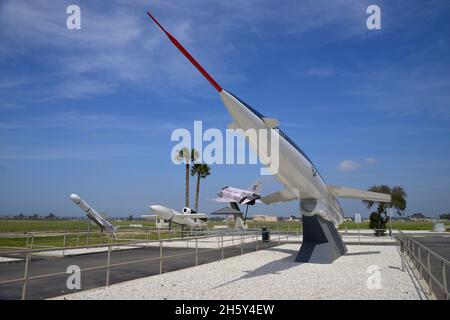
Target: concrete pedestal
point(321, 241)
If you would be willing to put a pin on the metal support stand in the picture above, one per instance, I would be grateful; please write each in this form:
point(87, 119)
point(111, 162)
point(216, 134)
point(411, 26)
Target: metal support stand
point(321, 241)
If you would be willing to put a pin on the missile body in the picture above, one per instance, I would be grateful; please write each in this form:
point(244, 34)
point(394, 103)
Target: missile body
point(174, 216)
point(93, 215)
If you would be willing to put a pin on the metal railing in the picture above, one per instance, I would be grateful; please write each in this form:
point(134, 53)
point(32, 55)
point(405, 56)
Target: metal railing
point(416, 253)
point(237, 240)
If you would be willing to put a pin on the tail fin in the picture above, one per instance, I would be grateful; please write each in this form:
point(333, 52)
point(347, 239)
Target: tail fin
point(256, 187)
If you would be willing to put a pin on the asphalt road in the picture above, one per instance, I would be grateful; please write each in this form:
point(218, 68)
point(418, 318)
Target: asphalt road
point(439, 244)
point(53, 286)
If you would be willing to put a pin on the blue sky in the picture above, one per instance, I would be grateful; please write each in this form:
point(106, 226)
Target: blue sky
point(91, 111)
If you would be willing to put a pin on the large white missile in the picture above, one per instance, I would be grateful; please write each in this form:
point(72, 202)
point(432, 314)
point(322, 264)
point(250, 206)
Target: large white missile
point(302, 181)
point(94, 215)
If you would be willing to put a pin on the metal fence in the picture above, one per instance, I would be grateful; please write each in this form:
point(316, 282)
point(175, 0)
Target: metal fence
point(219, 242)
point(430, 267)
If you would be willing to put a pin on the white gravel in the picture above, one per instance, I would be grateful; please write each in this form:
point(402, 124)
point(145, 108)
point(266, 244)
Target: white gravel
point(272, 274)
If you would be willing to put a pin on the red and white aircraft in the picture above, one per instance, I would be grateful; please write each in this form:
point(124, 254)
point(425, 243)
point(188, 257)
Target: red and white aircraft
point(240, 196)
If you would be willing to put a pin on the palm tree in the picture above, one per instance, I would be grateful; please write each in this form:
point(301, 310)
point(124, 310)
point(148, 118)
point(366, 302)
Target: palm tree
point(398, 202)
point(201, 170)
point(187, 156)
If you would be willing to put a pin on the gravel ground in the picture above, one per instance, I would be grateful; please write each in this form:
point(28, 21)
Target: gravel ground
point(272, 274)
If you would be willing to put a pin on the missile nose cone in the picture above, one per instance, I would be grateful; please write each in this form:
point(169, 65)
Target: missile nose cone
point(156, 208)
point(75, 197)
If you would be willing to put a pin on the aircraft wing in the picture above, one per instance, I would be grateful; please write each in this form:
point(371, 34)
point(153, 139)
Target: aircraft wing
point(280, 196)
point(271, 123)
point(222, 200)
point(250, 199)
point(343, 192)
point(192, 215)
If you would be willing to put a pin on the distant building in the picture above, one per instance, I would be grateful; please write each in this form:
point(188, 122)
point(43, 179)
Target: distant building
point(418, 217)
point(161, 223)
point(264, 218)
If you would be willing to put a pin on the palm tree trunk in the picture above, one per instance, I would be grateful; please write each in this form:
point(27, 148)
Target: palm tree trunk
point(197, 191)
point(187, 185)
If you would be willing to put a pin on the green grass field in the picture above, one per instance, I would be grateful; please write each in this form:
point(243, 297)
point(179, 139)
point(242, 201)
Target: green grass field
point(14, 233)
point(24, 226)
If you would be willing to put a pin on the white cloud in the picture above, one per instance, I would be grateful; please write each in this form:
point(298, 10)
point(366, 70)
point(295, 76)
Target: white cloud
point(119, 44)
point(320, 72)
point(348, 166)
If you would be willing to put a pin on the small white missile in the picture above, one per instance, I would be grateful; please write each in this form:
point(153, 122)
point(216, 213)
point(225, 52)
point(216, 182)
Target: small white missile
point(93, 215)
point(188, 216)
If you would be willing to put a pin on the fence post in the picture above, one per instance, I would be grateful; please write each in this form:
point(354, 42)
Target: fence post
point(420, 265)
point(444, 280)
point(108, 265)
point(242, 245)
point(25, 281)
point(222, 246)
point(78, 240)
point(402, 254)
point(28, 236)
point(196, 252)
point(32, 241)
point(64, 244)
point(160, 256)
point(429, 271)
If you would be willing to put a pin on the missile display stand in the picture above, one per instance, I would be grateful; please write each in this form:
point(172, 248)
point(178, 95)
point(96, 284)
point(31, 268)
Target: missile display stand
point(321, 241)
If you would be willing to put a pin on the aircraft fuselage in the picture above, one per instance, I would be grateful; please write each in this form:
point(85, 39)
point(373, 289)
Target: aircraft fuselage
point(295, 170)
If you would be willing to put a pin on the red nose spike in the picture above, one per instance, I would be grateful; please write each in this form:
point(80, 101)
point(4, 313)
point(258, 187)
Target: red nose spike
point(188, 55)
